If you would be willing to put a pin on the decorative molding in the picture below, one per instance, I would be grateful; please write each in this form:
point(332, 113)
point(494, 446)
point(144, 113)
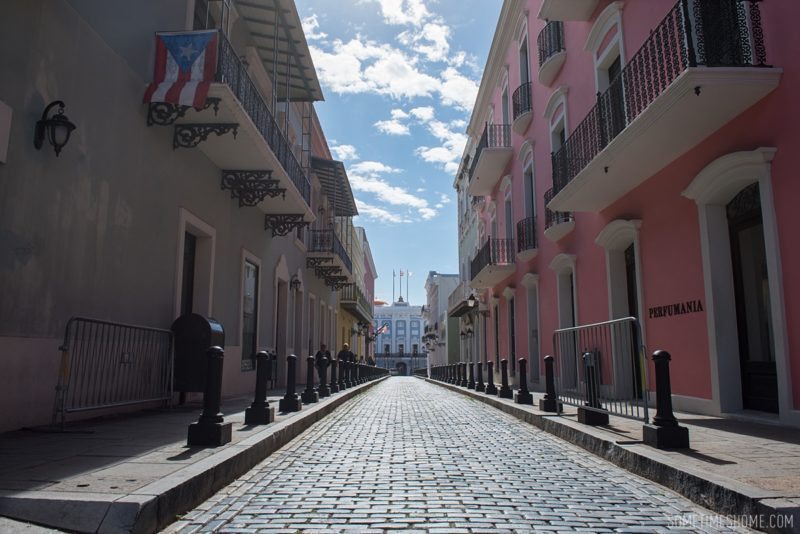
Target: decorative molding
point(606, 20)
point(563, 262)
point(509, 292)
point(505, 183)
point(555, 99)
point(191, 135)
point(618, 234)
point(283, 224)
point(251, 187)
point(164, 113)
point(525, 150)
point(530, 280)
point(723, 178)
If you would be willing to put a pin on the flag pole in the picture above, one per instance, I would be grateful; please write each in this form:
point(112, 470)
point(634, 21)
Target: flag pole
point(393, 280)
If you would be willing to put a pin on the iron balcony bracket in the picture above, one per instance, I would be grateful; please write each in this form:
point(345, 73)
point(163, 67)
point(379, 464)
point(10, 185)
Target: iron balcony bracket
point(312, 263)
point(164, 113)
point(283, 224)
point(191, 135)
point(251, 187)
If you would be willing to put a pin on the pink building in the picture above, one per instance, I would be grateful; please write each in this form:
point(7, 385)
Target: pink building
point(635, 159)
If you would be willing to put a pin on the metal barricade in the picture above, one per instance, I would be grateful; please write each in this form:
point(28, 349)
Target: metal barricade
point(105, 364)
point(601, 367)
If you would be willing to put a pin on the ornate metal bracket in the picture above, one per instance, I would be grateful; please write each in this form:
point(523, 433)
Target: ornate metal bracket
point(312, 263)
point(251, 187)
point(283, 224)
point(337, 282)
point(164, 113)
point(191, 135)
point(327, 271)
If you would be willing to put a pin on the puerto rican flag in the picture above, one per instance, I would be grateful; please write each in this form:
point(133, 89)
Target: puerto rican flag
point(185, 67)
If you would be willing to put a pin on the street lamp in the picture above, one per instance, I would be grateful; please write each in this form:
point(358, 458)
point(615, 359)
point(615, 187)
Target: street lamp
point(56, 129)
point(471, 301)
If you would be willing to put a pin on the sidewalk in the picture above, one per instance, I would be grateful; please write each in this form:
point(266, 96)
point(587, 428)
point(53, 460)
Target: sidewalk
point(135, 473)
point(735, 468)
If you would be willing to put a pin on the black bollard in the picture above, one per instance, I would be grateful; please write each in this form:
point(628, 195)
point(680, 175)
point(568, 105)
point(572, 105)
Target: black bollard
point(471, 383)
point(322, 369)
point(549, 403)
point(505, 391)
point(665, 432)
point(310, 394)
point(211, 430)
point(589, 414)
point(523, 396)
point(334, 378)
point(290, 402)
point(464, 382)
point(479, 385)
point(491, 389)
point(342, 375)
point(260, 412)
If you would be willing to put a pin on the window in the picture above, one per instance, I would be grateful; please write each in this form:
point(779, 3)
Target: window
point(249, 314)
point(524, 63)
point(509, 212)
point(530, 191)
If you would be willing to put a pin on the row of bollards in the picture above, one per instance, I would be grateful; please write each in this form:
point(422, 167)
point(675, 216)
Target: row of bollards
point(211, 430)
point(663, 433)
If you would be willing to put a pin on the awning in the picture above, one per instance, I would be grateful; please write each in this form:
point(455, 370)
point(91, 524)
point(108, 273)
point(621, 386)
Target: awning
point(334, 181)
point(294, 59)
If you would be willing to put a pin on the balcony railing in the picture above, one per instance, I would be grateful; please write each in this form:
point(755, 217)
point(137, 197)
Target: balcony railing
point(521, 100)
point(718, 33)
point(328, 241)
point(493, 252)
point(550, 40)
point(459, 295)
point(526, 234)
point(353, 294)
point(552, 218)
point(232, 72)
point(494, 136)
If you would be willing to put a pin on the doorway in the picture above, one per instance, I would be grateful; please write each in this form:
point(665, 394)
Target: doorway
point(751, 292)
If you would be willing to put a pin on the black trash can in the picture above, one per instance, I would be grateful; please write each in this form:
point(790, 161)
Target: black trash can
point(194, 334)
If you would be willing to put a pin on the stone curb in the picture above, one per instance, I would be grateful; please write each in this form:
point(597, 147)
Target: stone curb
point(719, 494)
point(156, 505)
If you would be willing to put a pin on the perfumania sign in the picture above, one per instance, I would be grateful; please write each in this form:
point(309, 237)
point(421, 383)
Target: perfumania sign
point(679, 308)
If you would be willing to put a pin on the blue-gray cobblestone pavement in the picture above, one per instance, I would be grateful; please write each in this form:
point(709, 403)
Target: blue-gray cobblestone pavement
point(412, 456)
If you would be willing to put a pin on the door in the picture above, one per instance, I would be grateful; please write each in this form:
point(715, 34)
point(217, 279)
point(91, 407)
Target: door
point(751, 289)
point(187, 278)
point(633, 311)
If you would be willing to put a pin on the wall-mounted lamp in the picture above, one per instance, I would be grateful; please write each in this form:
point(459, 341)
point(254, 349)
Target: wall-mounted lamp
point(295, 283)
point(57, 128)
point(471, 301)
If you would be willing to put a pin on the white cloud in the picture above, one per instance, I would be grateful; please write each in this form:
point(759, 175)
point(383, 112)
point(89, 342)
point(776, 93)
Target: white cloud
point(392, 127)
point(403, 12)
point(376, 213)
point(373, 168)
point(360, 66)
point(310, 28)
point(424, 113)
point(432, 40)
point(444, 199)
point(457, 90)
point(367, 177)
point(398, 114)
point(344, 152)
point(449, 153)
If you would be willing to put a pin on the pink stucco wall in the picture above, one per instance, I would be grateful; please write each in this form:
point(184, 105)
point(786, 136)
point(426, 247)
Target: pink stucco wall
point(670, 249)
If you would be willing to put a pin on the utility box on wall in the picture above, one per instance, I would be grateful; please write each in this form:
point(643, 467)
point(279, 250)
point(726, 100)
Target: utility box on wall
point(5, 130)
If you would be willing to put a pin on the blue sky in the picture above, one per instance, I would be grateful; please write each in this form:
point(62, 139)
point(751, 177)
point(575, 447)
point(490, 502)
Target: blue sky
point(400, 78)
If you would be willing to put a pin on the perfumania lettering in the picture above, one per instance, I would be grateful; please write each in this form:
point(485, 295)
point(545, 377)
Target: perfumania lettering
point(679, 308)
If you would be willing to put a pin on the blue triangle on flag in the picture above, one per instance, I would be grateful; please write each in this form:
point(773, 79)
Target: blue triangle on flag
point(186, 47)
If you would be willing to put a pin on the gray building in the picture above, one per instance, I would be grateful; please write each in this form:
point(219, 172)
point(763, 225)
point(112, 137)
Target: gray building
point(151, 211)
point(442, 334)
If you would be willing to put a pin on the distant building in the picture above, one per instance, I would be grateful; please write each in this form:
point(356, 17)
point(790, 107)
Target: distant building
point(441, 333)
point(399, 346)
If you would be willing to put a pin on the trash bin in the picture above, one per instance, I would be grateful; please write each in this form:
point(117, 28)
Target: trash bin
point(194, 334)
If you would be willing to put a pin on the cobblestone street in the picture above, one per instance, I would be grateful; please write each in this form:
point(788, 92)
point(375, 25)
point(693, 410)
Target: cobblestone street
point(411, 455)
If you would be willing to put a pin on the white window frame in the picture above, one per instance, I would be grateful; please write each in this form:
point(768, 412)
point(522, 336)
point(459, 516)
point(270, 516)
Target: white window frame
point(204, 268)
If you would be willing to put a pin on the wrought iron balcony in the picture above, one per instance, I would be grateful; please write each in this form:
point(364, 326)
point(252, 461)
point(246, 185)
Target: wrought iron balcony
point(703, 65)
point(353, 299)
point(552, 52)
point(526, 238)
point(237, 131)
point(491, 158)
point(557, 224)
point(327, 254)
point(493, 262)
point(457, 301)
point(522, 106)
